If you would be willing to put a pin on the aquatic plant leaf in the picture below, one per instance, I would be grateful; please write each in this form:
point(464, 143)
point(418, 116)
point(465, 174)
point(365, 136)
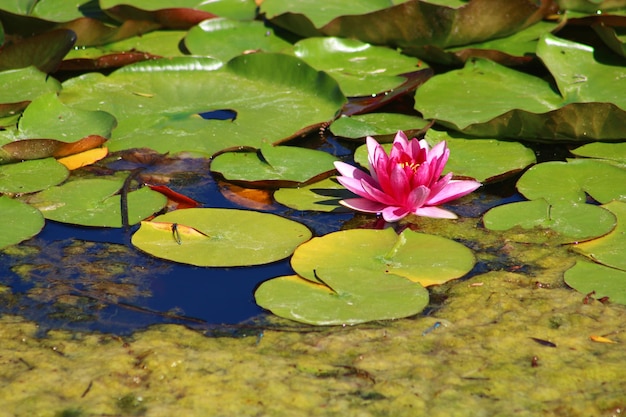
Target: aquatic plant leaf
point(31, 176)
point(516, 49)
point(573, 180)
point(82, 159)
point(426, 23)
point(26, 84)
point(573, 221)
point(95, 202)
point(614, 40)
point(157, 103)
point(43, 51)
point(511, 104)
point(319, 196)
point(22, 221)
point(173, 13)
point(153, 45)
point(591, 6)
point(602, 150)
point(361, 69)
point(587, 277)
point(609, 250)
point(224, 39)
point(382, 126)
point(485, 160)
point(225, 237)
point(274, 165)
point(423, 258)
point(27, 149)
point(349, 296)
point(47, 117)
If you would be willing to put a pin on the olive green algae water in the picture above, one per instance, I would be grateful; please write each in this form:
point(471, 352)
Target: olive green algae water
point(506, 344)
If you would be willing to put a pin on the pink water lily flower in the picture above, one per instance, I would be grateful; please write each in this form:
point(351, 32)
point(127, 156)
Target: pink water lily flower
point(407, 181)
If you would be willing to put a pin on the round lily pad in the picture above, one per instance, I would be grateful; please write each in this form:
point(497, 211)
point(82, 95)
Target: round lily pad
point(274, 164)
point(225, 39)
point(320, 196)
point(609, 250)
point(419, 257)
point(574, 221)
point(95, 202)
point(587, 277)
point(382, 126)
point(360, 69)
point(21, 221)
point(31, 176)
point(349, 296)
point(574, 179)
point(220, 237)
point(603, 150)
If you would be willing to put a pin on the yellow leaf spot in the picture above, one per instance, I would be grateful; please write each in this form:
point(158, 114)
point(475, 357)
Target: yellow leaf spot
point(82, 159)
point(601, 339)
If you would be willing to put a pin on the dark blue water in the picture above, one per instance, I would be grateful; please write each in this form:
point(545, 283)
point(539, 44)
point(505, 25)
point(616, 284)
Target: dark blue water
point(89, 279)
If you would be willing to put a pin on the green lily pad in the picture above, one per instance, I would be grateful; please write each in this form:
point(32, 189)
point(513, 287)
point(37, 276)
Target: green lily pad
point(602, 150)
point(224, 39)
point(26, 84)
point(47, 117)
point(588, 277)
point(274, 165)
point(427, 259)
point(572, 180)
point(360, 69)
point(407, 24)
point(159, 43)
point(23, 221)
point(320, 196)
point(382, 126)
point(511, 104)
point(158, 104)
point(573, 221)
point(609, 250)
point(31, 176)
point(220, 237)
point(485, 160)
point(349, 296)
point(515, 49)
point(94, 202)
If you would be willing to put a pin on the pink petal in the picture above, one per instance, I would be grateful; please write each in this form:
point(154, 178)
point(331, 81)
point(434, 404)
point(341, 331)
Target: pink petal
point(363, 204)
point(346, 170)
point(417, 197)
point(399, 186)
point(374, 193)
point(452, 191)
point(393, 214)
point(435, 212)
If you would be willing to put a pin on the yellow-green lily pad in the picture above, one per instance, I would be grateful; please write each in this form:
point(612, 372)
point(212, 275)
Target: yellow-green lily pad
point(320, 196)
point(602, 281)
point(573, 221)
point(284, 165)
point(220, 237)
point(349, 296)
point(609, 250)
point(419, 257)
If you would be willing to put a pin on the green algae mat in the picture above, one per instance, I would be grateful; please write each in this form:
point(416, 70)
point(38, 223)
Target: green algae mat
point(180, 234)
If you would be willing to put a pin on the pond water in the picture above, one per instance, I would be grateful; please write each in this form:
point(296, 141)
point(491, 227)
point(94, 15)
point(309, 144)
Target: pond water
point(92, 278)
point(83, 278)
